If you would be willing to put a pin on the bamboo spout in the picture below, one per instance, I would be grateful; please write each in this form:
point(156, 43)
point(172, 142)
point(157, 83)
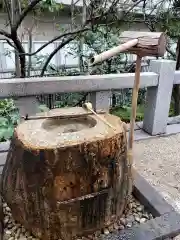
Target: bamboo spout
point(113, 51)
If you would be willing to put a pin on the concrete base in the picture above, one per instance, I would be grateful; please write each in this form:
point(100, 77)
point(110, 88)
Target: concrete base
point(170, 130)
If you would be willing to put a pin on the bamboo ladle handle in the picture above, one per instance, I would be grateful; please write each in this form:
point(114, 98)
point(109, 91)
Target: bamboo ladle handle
point(88, 106)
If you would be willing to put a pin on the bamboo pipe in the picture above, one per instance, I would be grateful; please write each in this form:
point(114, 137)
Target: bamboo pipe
point(112, 52)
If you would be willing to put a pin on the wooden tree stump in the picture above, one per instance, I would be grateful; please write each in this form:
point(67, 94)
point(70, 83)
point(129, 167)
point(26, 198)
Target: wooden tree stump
point(67, 177)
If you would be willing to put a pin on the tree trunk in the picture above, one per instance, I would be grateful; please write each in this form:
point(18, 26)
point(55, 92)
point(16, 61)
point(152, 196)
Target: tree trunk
point(176, 89)
point(30, 44)
point(69, 184)
point(81, 42)
point(17, 65)
point(22, 58)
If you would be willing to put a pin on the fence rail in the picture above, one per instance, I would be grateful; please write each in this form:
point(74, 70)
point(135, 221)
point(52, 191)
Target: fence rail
point(47, 85)
point(119, 98)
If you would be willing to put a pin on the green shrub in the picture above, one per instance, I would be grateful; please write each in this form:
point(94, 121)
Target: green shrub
point(9, 118)
point(124, 113)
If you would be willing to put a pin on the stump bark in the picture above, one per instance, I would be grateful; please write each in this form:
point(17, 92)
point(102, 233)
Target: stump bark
point(67, 177)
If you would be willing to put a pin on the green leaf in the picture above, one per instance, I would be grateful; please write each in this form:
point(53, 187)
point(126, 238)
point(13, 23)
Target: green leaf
point(3, 122)
point(14, 118)
point(6, 133)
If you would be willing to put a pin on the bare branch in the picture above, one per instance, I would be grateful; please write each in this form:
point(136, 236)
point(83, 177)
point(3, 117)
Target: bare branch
point(24, 13)
point(8, 12)
point(151, 26)
point(133, 6)
point(19, 6)
point(54, 52)
point(95, 19)
point(98, 18)
point(6, 34)
point(10, 44)
point(171, 52)
point(55, 39)
point(155, 7)
point(61, 45)
point(45, 21)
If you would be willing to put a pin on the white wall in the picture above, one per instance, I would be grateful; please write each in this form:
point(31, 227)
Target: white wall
point(45, 29)
point(123, 4)
point(68, 2)
point(7, 61)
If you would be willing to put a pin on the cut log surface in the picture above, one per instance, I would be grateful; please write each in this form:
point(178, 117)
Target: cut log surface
point(149, 43)
point(67, 177)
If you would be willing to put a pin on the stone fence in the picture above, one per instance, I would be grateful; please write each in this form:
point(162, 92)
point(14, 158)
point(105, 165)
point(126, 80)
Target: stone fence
point(159, 82)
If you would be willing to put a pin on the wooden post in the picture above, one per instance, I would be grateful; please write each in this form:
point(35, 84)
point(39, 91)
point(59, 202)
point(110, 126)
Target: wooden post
point(142, 44)
point(134, 102)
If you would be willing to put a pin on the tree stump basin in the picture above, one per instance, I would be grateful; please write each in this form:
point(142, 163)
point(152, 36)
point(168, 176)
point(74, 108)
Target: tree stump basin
point(69, 177)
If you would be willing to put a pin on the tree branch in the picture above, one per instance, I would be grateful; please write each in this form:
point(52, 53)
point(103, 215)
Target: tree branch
point(105, 14)
point(22, 58)
point(8, 12)
point(8, 41)
point(152, 28)
point(171, 52)
point(55, 39)
point(6, 34)
point(96, 19)
point(131, 8)
point(24, 13)
point(54, 52)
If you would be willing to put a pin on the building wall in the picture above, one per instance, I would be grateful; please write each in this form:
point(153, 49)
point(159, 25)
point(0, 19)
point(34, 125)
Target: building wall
point(43, 30)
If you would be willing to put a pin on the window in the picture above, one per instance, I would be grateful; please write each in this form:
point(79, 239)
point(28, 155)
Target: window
point(10, 56)
point(69, 54)
point(41, 56)
point(65, 56)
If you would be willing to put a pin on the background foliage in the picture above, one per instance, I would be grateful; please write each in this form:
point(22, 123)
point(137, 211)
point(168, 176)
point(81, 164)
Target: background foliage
point(9, 118)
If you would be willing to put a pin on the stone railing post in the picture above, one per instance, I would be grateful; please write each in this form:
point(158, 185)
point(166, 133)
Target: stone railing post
point(27, 105)
point(100, 100)
point(158, 98)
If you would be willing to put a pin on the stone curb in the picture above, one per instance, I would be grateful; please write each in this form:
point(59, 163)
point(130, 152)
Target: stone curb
point(166, 223)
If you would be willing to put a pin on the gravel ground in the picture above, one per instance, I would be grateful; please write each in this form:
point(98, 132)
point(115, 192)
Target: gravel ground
point(134, 214)
point(158, 160)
